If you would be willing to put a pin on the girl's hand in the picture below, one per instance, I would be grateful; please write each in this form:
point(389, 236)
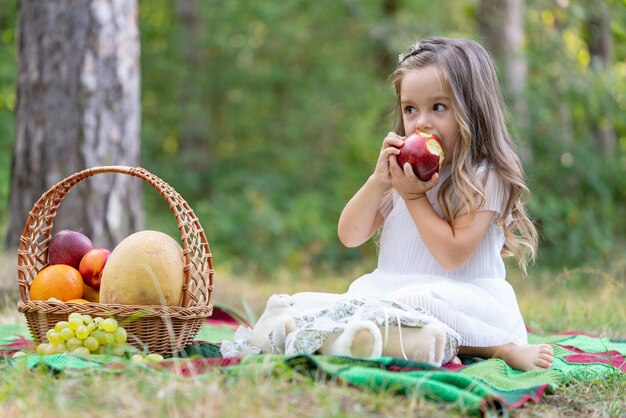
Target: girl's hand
point(406, 183)
point(391, 148)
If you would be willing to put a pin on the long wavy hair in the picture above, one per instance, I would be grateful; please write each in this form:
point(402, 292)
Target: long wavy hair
point(484, 139)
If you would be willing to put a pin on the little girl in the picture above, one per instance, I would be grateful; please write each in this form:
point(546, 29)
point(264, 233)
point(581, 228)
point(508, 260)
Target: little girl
point(442, 240)
point(440, 265)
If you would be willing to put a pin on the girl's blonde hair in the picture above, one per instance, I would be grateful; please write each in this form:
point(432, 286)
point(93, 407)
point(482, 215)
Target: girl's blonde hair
point(484, 139)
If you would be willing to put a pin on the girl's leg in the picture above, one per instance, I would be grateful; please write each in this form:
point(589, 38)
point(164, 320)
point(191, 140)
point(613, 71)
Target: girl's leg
point(519, 357)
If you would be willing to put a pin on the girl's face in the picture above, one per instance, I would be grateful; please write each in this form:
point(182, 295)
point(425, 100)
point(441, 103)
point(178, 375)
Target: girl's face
point(426, 104)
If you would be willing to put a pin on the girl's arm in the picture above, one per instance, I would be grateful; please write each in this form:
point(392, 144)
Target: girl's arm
point(360, 217)
point(450, 247)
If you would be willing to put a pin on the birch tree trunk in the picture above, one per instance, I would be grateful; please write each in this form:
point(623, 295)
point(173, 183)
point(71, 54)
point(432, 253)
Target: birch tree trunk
point(78, 107)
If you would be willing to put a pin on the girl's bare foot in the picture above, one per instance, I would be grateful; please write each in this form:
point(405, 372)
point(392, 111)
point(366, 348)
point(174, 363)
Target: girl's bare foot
point(519, 357)
point(526, 357)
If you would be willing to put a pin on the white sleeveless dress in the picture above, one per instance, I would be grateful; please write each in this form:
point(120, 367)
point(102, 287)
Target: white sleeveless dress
point(475, 301)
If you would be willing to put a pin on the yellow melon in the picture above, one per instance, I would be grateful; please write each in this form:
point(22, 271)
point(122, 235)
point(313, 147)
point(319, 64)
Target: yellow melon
point(145, 268)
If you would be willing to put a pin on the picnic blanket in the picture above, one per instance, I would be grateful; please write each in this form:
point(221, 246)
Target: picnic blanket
point(476, 387)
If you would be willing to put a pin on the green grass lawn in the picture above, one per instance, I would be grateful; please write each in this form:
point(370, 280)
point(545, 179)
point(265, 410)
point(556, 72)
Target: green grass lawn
point(582, 300)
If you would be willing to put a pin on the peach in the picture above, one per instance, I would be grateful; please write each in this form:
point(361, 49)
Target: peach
point(91, 266)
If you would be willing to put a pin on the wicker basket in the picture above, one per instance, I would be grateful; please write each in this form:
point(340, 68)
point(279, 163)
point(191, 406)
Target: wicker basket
point(159, 329)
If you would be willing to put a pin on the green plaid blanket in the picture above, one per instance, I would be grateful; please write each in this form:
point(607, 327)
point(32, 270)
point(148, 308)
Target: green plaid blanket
point(477, 387)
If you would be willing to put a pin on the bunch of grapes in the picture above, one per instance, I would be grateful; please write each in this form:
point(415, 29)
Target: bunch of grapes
point(84, 335)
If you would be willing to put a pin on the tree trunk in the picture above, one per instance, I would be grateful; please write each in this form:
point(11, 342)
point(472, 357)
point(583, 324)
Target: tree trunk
point(78, 107)
point(501, 24)
point(600, 44)
point(195, 142)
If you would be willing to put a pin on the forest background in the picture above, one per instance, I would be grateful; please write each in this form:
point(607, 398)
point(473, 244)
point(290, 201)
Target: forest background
point(276, 118)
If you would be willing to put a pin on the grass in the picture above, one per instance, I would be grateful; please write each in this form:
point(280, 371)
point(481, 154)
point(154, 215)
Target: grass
point(141, 393)
point(583, 300)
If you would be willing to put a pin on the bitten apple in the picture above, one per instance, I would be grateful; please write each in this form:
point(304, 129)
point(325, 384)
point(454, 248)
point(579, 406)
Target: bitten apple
point(424, 152)
point(68, 247)
point(91, 266)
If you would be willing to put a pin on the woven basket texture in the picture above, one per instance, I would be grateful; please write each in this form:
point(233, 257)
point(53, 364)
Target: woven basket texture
point(154, 328)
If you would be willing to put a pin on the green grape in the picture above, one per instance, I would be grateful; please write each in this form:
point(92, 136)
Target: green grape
point(82, 332)
point(81, 352)
point(51, 349)
point(60, 348)
point(91, 326)
point(42, 348)
point(74, 343)
point(109, 338)
point(100, 336)
point(75, 323)
point(120, 335)
point(97, 320)
point(67, 333)
point(91, 344)
point(153, 357)
point(121, 350)
point(86, 318)
point(55, 338)
point(137, 358)
point(75, 315)
point(109, 325)
point(49, 332)
point(131, 348)
point(61, 325)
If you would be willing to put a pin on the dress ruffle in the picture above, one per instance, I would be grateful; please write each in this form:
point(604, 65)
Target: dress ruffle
point(484, 312)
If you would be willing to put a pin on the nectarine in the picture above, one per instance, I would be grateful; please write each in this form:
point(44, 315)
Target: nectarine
point(91, 266)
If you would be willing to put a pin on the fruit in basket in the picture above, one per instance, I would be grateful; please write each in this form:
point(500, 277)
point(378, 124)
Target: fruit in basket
point(58, 281)
point(145, 268)
point(78, 301)
point(424, 152)
point(90, 294)
point(91, 266)
point(83, 335)
point(68, 247)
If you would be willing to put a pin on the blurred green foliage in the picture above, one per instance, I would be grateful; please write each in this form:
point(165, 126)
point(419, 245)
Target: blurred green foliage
point(8, 98)
point(579, 191)
point(266, 117)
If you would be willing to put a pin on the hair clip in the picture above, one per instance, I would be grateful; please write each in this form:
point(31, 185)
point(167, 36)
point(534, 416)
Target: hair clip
point(414, 49)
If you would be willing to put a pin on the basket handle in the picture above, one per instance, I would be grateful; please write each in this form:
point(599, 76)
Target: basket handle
point(33, 249)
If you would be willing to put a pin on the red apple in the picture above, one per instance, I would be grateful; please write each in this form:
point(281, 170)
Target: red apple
point(424, 152)
point(91, 266)
point(68, 247)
